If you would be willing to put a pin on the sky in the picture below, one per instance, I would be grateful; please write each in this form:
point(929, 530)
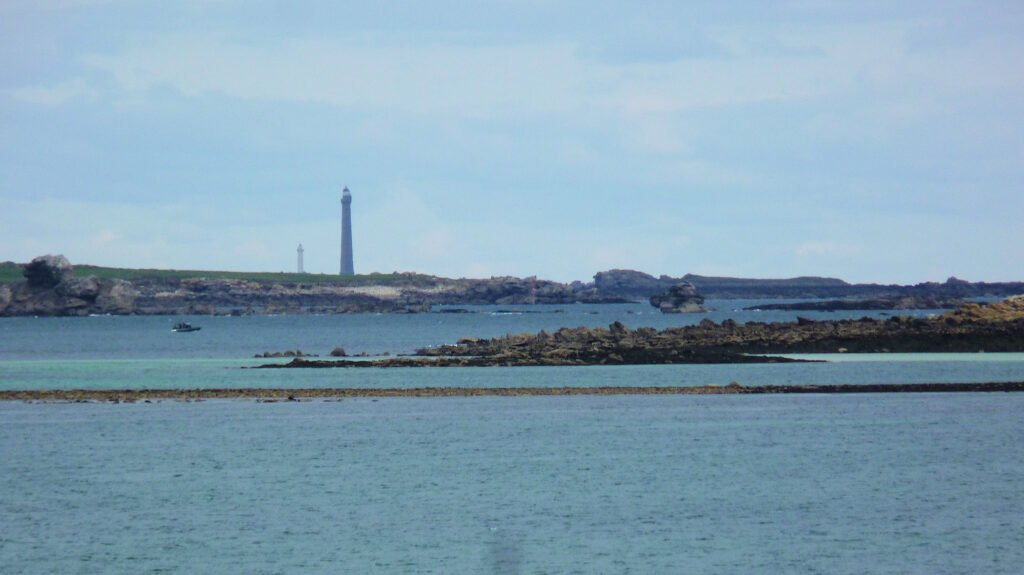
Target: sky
point(874, 141)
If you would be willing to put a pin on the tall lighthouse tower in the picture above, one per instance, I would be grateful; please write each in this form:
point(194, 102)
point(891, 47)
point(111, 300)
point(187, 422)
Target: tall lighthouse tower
point(346, 233)
point(300, 267)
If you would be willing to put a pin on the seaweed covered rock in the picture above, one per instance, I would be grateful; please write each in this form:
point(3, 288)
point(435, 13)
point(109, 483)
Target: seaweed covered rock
point(1010, 309)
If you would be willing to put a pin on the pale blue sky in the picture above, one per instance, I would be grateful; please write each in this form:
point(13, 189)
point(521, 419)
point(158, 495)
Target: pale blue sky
point(873, 141)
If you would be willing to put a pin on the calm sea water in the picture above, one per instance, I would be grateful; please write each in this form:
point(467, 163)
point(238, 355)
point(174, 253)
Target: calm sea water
point(114, 337)
point(630, 484)
point(925, 484)
point(142, 352)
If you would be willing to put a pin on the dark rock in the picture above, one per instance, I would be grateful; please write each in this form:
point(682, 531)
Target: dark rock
point(338, 352)
point(6, 295)
point(288, 353)
point(45, 272)
point(616, 329)
point(80, 288)
point(630, 283)
point(996, 327)
point(680, 298)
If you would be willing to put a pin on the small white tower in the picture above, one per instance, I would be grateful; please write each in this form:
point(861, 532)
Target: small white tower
point(301, 267)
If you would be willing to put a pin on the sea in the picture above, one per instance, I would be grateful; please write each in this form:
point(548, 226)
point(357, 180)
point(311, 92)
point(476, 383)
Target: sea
point(866, 483)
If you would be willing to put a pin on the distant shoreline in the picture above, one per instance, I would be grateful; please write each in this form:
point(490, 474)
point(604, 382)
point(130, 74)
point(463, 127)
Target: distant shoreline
point(283, 394)
point(50, 286)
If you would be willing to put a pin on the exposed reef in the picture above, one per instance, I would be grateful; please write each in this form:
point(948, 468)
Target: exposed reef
point(971, 328)
point(556, 357)
point(286, 353)
point(278, 395)
point(995, 327)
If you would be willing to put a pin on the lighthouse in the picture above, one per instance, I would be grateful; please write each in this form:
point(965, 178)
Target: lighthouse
point(347, 268)
point(300, 268)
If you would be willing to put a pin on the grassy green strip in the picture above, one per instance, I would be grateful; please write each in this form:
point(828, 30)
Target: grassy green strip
point(11, 272)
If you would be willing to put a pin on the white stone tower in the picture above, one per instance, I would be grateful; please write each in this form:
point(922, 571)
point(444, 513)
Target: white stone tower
point(347, 269)
point(301, 268)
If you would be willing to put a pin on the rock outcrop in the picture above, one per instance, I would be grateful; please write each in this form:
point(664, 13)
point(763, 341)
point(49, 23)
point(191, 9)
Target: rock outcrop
point(287, 353)
point(632, 284)
point(45, 272)
point(50, 289)
point(680, 298)
point(1009, 310)
point(116, 297)
point(5, 298)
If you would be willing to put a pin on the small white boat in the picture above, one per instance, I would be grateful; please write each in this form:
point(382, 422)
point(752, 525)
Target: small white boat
point(182, 327)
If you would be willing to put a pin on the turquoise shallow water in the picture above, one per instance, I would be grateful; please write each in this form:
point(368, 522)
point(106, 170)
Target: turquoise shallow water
point(631, 484)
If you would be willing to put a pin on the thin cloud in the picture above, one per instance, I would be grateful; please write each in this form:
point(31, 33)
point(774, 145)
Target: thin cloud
point(55, 95)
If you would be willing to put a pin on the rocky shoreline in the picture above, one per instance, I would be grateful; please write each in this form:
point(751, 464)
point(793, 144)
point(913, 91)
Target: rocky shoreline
point(50, 288)
point(300, 394)
point(997, 327)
